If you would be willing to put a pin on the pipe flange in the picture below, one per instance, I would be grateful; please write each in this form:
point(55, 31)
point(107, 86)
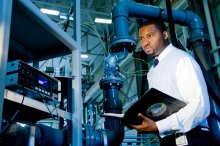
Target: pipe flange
point(119, 44)
point(111, 81)
point(86, 134)
point(91, 136)
point(191, 43)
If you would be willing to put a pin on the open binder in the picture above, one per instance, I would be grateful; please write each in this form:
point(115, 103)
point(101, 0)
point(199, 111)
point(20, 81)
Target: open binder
point(154, 104)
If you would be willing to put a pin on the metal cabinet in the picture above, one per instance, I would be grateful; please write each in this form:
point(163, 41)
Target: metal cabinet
point(29, 35)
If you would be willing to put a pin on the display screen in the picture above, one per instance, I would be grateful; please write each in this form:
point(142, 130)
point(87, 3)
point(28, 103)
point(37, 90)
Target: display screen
point(42, 82)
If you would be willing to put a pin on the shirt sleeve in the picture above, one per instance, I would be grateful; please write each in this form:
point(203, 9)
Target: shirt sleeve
point(192, 87)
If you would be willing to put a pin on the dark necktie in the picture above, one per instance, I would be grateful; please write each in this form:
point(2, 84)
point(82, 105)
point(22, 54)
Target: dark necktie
point(156, 61)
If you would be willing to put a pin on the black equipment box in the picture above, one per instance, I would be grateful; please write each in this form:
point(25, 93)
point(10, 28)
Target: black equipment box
point(31, 82)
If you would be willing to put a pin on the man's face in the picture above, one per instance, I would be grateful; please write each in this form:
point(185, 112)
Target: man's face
point(153, 41)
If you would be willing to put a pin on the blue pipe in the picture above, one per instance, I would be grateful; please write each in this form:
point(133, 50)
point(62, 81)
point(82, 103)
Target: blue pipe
point(124, 9)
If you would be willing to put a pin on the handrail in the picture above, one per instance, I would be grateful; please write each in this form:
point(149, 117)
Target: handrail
point(215, 49)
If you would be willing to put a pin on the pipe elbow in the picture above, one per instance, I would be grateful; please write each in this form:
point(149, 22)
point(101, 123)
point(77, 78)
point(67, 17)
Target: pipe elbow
point(115, 137)
point(193, 20)
point(102, 137)
point(120, 9)
point(195, 25)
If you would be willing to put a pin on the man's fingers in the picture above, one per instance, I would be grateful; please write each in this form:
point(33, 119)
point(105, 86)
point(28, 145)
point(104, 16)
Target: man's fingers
point(142, 116)
point(137, 127)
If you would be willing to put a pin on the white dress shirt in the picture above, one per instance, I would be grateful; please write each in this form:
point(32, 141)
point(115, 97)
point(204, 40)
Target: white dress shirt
point(179, 75)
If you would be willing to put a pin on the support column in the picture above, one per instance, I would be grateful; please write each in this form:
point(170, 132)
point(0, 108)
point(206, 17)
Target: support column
point(76, 82)
point(5, 24)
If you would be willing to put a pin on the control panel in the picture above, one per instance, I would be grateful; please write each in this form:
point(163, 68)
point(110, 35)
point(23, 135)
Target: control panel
point(31, 82)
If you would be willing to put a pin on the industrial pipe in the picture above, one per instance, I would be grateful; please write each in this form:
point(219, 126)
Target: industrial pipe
point(124, 9)
point(111, 83)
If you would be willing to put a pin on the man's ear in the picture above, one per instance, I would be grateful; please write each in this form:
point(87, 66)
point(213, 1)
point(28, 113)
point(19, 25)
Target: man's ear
point(165, 35)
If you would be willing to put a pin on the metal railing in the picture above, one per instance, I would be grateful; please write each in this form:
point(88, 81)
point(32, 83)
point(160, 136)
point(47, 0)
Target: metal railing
point(140, 139)
point(214, 50)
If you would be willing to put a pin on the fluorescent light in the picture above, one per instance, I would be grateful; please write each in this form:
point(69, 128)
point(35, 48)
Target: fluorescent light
point(22, 125)
point(100, 20)
point(65, 16)
point(50, 12)
point(84, 56)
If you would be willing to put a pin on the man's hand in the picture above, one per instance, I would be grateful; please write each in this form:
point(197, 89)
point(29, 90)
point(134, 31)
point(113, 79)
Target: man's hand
point(147, 125)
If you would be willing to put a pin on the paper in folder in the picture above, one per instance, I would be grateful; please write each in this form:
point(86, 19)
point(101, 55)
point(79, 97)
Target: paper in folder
point(154, 104)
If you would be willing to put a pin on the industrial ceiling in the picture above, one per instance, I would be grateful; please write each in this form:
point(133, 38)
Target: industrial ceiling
point(95, 37)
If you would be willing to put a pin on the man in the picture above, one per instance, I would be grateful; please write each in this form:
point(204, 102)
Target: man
point(177, 74)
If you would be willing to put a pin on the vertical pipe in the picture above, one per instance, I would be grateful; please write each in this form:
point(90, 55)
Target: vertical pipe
point(114, 130)
point(76, 82)
point(214, 120)
point(112, 105)
point(171, 24)
point(211, 34)
point(5, 24)
point(121, 22)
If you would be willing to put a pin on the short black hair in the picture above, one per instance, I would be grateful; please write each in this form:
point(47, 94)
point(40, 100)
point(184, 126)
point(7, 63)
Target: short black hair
point(157, 22)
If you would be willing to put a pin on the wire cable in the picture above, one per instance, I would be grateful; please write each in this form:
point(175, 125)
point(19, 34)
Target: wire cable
point(51, 114)
point(88, 25)
point(143, 61)
point(135, 73)
point(9, 122)
point(12, 119)
point(147, 143)
point(138, 72)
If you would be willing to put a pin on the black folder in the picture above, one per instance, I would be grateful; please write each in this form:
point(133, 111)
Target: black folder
point(154, 104)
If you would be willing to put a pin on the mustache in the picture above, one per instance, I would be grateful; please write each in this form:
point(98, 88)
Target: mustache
point(146, 47)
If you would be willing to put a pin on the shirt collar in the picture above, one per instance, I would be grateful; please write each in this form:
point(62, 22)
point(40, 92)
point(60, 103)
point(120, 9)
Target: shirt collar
point(165, 52)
